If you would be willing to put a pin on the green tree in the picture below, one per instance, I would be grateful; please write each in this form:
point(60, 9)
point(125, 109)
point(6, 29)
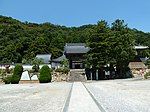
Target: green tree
point(114, 46)
point(24, 40)
point(37, 61)
point(65, 63)
point(100, 46)
point(123, 47)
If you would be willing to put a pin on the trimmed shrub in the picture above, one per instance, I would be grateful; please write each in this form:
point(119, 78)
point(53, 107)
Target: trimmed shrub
point(7, 79)
point(62, 70)
point(17, 74)
point(66, 70)
point(45, 74)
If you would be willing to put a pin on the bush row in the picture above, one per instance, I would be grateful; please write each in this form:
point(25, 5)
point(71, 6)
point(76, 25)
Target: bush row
point(44, 77)
point(15, 78)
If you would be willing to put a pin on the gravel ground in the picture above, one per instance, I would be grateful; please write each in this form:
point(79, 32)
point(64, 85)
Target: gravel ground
point(113, 95)
point(33, 97)
point(122, 95)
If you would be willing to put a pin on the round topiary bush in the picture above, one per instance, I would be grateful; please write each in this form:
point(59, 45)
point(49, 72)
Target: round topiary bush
point(17, 74)
point(45, 74)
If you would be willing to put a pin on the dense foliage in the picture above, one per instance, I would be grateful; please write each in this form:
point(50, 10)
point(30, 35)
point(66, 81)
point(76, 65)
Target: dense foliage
point(112, 46)
point(6, 75)
point(45, 74)
point(23, 40)
point(17, 74)
point(65, 63)
point(7, 79)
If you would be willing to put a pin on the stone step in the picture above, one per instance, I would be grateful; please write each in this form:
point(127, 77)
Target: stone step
point(77, 75)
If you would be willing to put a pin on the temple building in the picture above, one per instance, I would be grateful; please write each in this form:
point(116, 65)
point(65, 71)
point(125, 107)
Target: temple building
point(56, 63)
point(45, 57)
point(138, 62)
point(75, 54)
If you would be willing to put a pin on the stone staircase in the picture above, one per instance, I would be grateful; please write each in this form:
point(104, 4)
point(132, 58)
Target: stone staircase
point(77, 75)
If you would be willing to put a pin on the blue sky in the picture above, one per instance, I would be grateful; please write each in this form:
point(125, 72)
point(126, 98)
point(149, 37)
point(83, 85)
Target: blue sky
point(79, 12)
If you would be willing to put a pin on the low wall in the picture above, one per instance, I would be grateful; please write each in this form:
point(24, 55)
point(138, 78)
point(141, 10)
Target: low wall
point(25, 67)
point(28, 81)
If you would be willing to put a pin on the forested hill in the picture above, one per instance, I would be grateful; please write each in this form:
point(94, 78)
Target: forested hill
point(20, 40)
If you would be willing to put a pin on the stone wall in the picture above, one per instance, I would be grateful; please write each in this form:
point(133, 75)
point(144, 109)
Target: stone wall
point(139, 72)
point(59, 76)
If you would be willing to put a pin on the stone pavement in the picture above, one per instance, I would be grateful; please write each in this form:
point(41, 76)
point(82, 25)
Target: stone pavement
point(77, 75)
point(81, 101)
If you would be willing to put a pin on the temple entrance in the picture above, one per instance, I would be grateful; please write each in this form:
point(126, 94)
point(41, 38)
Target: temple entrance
point(75, 53)
point(77, 65)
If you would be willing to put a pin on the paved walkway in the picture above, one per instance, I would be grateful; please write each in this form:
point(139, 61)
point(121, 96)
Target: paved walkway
point(81, 101)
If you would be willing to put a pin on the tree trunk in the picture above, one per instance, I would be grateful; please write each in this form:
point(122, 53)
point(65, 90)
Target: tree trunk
point(119, 69)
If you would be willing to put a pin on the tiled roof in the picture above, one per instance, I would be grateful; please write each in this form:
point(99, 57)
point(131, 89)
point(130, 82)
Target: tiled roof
point(76, 48)
point(59, 59)
point(45, 57)
point(136, 65)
